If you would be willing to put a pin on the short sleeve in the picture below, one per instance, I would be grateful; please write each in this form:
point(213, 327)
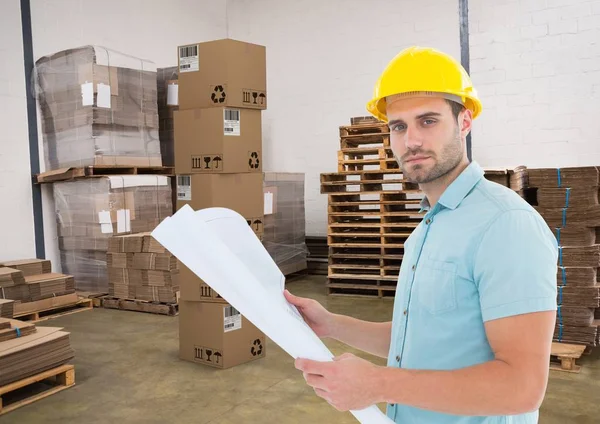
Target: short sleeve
point(515, 266)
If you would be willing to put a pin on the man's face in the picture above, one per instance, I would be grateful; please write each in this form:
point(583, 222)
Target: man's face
point(426, 138)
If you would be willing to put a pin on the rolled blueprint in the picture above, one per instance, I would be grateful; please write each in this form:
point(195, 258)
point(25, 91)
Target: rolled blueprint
point(218, 246)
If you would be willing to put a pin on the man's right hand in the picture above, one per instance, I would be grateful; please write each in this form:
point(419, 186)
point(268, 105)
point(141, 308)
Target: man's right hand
point(315, 315)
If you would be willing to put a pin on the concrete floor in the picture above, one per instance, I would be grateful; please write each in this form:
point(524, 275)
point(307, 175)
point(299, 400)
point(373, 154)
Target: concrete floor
point(128, 371)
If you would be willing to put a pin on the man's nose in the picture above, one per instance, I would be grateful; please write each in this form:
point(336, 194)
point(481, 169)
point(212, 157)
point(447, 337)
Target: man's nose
point(412, 138)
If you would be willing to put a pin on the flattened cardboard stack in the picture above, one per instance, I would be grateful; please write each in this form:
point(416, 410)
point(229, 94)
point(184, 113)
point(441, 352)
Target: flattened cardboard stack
point(99, 107)
point(285, 235)
point(567, 198)
point(218, 162)
point(30, 266)
point(515, 179)
point(7, 308)
point(30, 287)
point(139, 268)
point(90, 211)
point(27, 350)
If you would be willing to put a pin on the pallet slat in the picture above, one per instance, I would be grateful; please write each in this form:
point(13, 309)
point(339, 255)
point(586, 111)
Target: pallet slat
point(66, 174)
point(64, 378)
point(136, 305)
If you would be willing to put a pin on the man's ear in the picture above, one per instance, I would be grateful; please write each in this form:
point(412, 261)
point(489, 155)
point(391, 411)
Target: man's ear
point(465, 122)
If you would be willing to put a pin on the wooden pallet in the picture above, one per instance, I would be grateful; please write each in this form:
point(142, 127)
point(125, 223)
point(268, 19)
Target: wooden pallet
point(57, 311)
point(96, 298)
point(136, 305)
point(56, 380)
point(365, 141)
point(364, 128)
point(355, 161)
point(362, 120)
point(384, 290)
point(67, 174)
point(566, 354)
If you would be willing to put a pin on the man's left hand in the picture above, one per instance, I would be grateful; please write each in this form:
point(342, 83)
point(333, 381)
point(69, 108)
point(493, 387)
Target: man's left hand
point(347, 383)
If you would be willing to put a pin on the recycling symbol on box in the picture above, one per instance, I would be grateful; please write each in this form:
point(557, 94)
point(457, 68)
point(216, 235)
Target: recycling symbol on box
point(256, 349)
point(218, 95)
point(254, 161)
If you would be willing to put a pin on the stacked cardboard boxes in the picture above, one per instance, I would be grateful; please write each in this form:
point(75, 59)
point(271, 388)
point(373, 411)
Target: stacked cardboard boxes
point(99, 107)
point(218, 162)
point(90, 211)
point(140, 268)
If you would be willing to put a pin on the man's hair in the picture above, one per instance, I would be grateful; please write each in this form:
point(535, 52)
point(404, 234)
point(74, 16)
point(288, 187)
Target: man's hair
point(457, 108)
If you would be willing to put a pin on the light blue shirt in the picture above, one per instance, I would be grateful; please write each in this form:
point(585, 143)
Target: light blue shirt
point(481, 253)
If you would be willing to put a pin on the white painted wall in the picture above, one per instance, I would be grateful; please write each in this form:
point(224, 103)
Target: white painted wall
point(323, 58)
point(151, 30)
point(536, 64)
point(16, 216)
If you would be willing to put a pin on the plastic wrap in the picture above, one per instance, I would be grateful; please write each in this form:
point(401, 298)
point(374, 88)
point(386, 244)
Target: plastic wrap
point(91, 210)
point(98, 107)
point(168, 100)
point(285, 226)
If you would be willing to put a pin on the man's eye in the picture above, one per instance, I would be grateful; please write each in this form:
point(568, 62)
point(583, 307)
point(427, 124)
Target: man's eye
point(399, 127)
point(429, 121)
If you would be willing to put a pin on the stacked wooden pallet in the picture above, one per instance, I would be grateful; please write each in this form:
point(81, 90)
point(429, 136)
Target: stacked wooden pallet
point(567, 198)
point(372, 210)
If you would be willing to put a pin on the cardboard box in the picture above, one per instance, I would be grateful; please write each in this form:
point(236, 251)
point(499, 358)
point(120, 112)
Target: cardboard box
point(193, 289)
point(217, 335)
point(218, 140)
point(222, 73)
point(242, 193)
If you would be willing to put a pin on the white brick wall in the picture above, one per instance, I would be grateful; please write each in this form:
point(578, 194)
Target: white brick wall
point(536, 65)
point(323, 58)
point(16, 216)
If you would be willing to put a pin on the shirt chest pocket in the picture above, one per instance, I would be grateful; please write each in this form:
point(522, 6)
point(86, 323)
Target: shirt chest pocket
point(435, 286)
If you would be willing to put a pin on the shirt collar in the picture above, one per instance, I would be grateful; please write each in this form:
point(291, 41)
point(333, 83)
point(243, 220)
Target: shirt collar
point(459, 188)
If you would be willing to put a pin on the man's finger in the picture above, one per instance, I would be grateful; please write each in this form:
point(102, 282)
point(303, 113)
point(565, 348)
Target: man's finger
point(294, 300)
point(316, 381)
point(312, 367)
point(344, 356)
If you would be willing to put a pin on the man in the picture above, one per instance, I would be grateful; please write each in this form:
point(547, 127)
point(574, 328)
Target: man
point(474, 312)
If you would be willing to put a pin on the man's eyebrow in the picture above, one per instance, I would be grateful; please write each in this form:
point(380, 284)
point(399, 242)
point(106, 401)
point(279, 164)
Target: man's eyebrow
point(421, 116)
point(428, 115)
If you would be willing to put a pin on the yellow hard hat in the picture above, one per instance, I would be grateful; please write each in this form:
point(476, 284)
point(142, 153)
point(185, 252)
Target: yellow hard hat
point(423, 70)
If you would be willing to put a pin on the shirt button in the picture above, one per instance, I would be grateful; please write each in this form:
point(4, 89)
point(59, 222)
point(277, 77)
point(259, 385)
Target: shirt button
point(405, 311)
point(428, 221)
point(397, 358)
point(414, 267)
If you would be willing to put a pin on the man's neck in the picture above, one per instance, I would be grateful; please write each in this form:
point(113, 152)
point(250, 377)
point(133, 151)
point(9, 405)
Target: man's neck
point(434, 189)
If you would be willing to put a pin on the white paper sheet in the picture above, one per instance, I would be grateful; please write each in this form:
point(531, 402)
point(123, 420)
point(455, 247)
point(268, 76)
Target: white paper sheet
point(219, 247)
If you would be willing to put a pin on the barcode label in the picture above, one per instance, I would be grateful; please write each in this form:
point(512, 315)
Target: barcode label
point(232, 115)
point(189, 60)
point(231, 122)
point(184, 187)
point(188, 51)
point(230, 311)
point(232, 319)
